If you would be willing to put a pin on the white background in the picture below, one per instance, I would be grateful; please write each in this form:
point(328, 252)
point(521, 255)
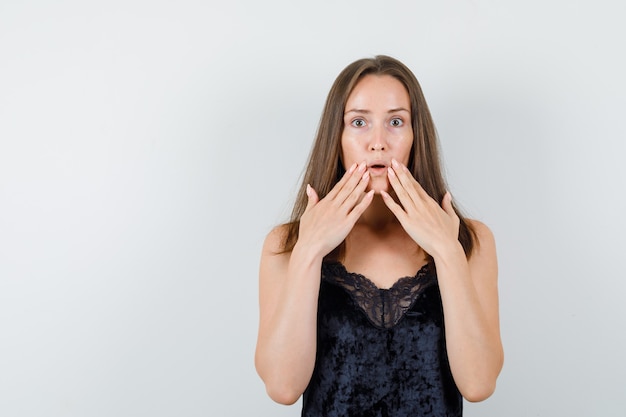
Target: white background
point(147, 147)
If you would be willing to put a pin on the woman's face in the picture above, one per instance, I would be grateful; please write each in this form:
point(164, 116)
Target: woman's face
point(377, 127)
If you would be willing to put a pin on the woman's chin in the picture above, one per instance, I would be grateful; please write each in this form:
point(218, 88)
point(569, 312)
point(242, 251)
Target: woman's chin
point(378, 188)
point(378, 184)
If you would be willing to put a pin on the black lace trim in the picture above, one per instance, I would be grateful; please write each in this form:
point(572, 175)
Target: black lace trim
point(383, 307)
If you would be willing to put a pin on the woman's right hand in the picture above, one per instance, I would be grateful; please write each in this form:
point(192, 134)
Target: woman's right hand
point(325, 223)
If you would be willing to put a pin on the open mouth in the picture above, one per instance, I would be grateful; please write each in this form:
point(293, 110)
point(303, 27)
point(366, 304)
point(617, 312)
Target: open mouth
point(378, 169)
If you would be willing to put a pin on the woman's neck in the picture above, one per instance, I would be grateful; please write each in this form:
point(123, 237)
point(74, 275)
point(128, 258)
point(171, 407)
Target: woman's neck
point(378, 246)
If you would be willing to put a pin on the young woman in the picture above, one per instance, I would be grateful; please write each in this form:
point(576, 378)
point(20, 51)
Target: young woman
point(378, 298)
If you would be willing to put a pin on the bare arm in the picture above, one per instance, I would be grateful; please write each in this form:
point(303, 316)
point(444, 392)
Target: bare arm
point(469, 293)
point(288, 292)
point(468, 287)
point(289, 286)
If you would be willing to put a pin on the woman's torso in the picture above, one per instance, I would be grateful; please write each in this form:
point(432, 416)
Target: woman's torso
point(380, 352)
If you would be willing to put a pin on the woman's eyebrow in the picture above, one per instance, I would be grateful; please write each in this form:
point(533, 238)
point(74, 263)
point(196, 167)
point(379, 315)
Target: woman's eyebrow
point(399, 109)
point(357, 111)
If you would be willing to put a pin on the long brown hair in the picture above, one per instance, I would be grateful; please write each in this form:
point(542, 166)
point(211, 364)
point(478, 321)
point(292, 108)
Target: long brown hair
point(325, 168)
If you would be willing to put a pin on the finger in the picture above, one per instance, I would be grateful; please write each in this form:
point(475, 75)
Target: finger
point(333, 192)
point(360, 208)
point(403, 195)
point(352, 183)
point(447, 206)
point(446, 202)
point(312, 195)
point(356, 195)
point(395, 208)
point(406, 178)
point(346, 176)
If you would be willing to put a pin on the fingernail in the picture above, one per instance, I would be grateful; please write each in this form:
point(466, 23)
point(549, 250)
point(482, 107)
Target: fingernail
point(362, 166)
point(352, 168)
point(394, 163)
point(390, 171)
point(308, 190)
point(366, 175)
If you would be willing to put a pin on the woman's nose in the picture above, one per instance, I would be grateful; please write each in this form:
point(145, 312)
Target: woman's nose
point(377, 146)
point(378, 140)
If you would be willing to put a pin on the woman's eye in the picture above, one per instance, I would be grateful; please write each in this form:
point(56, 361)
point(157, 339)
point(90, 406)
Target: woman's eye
point(358, 123)
point(396, 122)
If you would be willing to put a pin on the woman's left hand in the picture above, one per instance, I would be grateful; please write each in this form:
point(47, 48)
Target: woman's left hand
point(432, 226)
point(469, 290)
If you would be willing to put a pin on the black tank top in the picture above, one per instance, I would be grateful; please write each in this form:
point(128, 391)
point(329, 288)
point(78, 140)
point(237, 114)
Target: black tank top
point(380, 352)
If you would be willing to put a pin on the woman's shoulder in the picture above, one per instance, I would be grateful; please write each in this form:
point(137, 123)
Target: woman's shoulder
point(275, 240)
point(485, 245)
point(480, 229)
point(274, 257)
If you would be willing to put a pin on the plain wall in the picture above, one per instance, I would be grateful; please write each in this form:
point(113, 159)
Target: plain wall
point(147, 147)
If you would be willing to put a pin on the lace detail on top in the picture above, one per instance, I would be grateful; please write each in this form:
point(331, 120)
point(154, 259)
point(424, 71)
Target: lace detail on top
point(383, 307)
